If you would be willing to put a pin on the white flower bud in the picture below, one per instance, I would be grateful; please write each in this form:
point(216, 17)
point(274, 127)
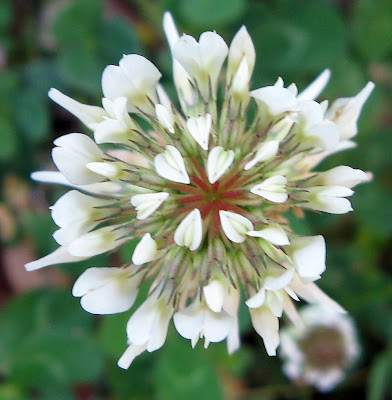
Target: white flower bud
point(165, 117)
point(273, 233)
point(272, 189)
point(145, 251)
point(329, 199)
point(170, 165)
point(340, 176)
point(265, 152)
point(219, 161)
point(241, 48)
point(235, 226)
point(189, 232)
point(200, 128)
point(146, 204)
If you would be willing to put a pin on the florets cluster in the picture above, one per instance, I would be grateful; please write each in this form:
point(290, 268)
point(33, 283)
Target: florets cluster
point(202, 188)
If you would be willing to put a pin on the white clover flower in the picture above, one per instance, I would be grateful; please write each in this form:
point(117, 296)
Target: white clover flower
point(202, 190)
point(320, 351)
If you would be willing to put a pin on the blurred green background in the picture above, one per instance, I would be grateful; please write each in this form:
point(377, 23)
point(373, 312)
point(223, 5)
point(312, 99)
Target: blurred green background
point(49, 347)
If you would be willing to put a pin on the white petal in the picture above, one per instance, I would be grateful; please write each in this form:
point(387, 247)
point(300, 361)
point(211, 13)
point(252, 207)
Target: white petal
point(59, 256)
point(111, 170)
point(266, 325)
point(241, 47)
point(274, 233)
point(313, 294)
point(275, 100)
point(199, 128)
point(217, 326)
point(145, 251)
point(214, 294)
point(129, 355)
point(170, 165)
point(135, 78)
point(257, 300)
point(266, 151)
point(99, 241)
point(189, 321)
point(308, 254)
point(341, 176)
point(235, 226)
point(74, 151)
point(312, 91)
point(272, 189)
point(86, 113)
point(219, 161)
point(241, 80)
point(165, 117)
point(274, 302)
point(189, 232)
point(345, 112)
point(277, 277)
point(170, 29)
point(146, 204)
point(328, 199)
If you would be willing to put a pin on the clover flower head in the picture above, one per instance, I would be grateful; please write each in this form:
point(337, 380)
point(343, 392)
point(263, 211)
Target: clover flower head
point(321, 350)
point(202, 188)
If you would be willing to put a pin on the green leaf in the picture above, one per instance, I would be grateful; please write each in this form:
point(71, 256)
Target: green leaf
point(81, 69)
point(185, 373)
point(56, 357)
point(117, 38)
point(307, 37)
point(372, 28)
point(211, 13)
point(8, 138)
point(78, 24)
point(372, 207)
point(379, 378)
point(32, 115)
